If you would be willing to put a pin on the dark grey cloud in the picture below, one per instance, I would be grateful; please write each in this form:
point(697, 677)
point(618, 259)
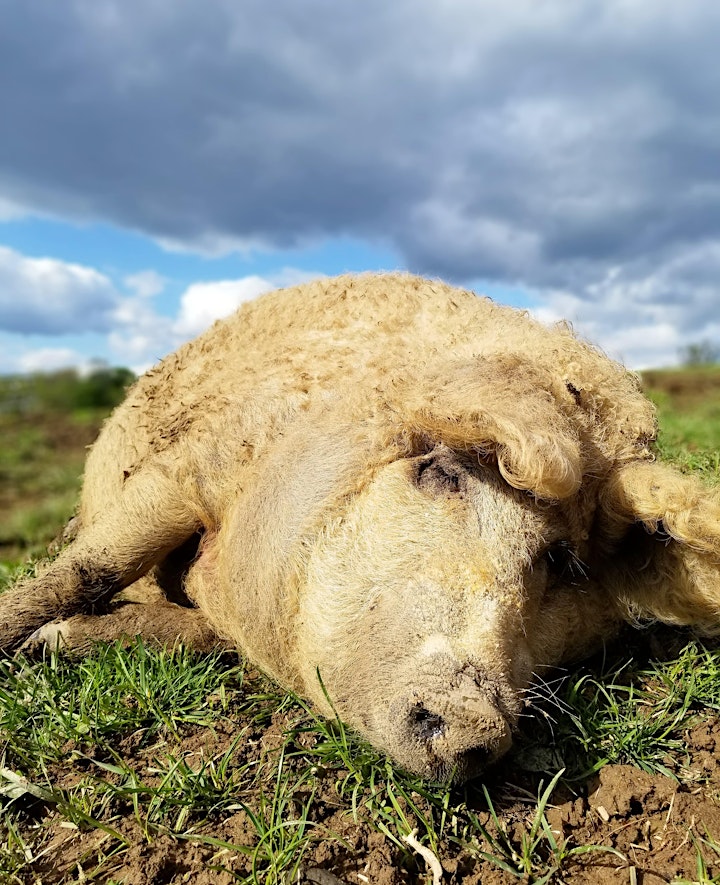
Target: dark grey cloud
point(542, 144)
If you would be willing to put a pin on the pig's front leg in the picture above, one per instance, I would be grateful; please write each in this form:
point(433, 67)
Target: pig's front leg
point(148, 520)
point(157, 623)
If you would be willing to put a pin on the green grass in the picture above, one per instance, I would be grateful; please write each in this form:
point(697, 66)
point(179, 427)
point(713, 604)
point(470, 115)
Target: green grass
point(627, 713)
point(536, 854)
point(46, 423)
point(60, 715)
point(137, 745)
point(44, 707)
point(688, 404)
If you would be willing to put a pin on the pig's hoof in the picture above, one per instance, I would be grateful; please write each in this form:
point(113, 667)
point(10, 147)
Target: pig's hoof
point(49, 637)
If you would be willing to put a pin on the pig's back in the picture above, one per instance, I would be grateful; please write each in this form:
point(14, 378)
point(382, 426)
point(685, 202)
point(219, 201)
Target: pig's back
point(233, 389)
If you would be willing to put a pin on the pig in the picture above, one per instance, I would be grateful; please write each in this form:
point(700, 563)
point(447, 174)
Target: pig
point(402, 501)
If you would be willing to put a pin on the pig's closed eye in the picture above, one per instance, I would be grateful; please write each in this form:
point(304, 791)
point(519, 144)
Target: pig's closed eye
point(435, 476)
point(563, 564)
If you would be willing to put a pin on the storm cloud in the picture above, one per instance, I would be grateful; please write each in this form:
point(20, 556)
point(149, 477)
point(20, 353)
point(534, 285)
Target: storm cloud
point(566, 147)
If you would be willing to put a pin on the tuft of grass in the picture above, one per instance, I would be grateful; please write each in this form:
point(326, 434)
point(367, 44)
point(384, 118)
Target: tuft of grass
point(703, 876)
point(9, 573)
point(47, 706)
point(15, 853)
point(283, 826)
point(535, 855)
point(626, 713)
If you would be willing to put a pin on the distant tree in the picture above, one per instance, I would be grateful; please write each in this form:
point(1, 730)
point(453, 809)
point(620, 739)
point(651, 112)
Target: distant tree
point(64, 391)
point(103, 388)
point(701, 353)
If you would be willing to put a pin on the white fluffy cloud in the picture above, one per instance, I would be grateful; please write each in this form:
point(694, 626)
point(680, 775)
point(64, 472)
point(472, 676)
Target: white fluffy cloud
point(645, 314)
point(146, 283)
point(203, 303)
point(49, 359)
point(10, 210)
point(47, 296)
point(640, 339)
point(45, 302)
point(141, 335)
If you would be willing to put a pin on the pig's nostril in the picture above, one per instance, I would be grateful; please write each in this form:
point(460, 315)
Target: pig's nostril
point(476, 761)
point(426, 725)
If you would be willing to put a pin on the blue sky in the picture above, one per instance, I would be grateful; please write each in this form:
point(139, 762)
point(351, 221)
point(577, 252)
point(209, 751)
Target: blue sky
point(163, 161)
point(149, 281)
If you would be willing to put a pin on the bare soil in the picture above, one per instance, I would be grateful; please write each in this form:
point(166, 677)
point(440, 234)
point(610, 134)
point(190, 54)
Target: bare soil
point(655, 822)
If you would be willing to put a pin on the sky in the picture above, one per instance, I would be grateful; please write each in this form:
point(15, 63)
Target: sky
point(161, 161)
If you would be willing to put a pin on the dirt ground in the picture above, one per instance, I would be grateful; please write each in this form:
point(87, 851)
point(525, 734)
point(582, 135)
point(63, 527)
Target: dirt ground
point(655, 822)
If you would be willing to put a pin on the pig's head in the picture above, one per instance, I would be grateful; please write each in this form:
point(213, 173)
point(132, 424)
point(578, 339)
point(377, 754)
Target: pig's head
point(450, 579)
point(430, 576)
point(431, 604)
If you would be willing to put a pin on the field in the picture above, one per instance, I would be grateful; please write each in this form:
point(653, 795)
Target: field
point(143, 766)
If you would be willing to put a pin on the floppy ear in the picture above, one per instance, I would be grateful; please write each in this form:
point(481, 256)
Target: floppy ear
point(668, 527)
point(504, 407)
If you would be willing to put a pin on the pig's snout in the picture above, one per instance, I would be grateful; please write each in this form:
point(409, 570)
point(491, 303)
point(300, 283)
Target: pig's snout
point(450, 732)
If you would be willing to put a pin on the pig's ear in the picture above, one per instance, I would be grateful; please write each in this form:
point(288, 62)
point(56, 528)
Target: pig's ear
point(505, 408)
point(665, 527)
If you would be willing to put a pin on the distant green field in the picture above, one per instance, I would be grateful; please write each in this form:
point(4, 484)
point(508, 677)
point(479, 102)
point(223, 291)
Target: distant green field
point(46, 423)
point(688, 404)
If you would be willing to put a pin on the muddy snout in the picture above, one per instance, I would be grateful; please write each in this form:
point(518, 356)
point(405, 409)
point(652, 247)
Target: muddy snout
point(449, 729)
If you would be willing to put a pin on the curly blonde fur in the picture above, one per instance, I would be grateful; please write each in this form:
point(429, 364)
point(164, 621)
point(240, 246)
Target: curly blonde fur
point(394, 483)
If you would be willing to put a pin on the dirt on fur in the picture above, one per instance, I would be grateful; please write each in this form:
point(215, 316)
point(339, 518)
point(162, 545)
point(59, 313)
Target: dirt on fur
point(654, 824)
